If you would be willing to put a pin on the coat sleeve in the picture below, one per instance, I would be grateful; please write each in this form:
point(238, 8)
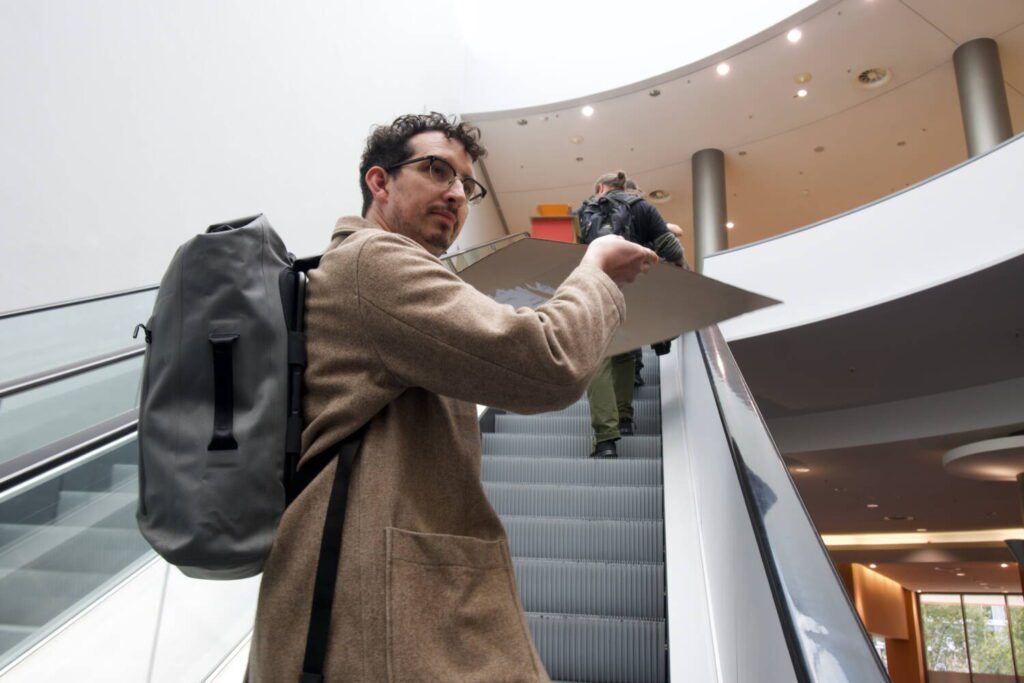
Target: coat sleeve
point(432, 330)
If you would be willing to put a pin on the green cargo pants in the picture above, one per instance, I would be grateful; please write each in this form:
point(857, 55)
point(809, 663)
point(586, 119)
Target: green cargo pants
point(611, 396)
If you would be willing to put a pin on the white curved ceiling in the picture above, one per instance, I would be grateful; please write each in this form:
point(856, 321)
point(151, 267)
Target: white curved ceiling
point(532, 53)
point(872, 142)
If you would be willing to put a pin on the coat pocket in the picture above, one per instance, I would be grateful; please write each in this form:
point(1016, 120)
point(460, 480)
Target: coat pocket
point(452, 613)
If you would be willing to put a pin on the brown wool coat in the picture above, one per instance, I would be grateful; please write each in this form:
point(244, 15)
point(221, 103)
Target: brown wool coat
point(425, 588)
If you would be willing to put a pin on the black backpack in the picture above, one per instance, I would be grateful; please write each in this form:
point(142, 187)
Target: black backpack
point(608, 214)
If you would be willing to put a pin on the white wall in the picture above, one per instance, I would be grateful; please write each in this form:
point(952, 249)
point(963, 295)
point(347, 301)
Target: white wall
point(128, 126)
point(534, 52)
point(957, 223)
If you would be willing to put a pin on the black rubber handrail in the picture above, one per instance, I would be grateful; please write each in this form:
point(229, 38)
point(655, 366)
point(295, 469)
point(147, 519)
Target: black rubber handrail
point(729, 389)
point(42, 460)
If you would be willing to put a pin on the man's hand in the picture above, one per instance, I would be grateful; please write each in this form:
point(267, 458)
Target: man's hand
point(620, 259)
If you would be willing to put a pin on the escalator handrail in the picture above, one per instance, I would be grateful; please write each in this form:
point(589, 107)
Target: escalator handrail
point(49, 457)
point(75, 302)
point(46, 377)
point(149, 288)
point(728, 387)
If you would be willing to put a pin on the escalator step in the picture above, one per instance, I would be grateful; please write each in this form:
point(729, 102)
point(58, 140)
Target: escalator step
point(566, 446)
point(571, 426)
point(585, 502)
point(32, 597)
point(70, 503)
point(526, 470)
point(648, 408)
point(600, 649)
point(591, 588)
point(11, 635)
point(87, 550)
point(578, 539)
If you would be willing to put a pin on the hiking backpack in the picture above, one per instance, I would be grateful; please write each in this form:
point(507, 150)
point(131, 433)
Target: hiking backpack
point(608, 214)
point(220, 413)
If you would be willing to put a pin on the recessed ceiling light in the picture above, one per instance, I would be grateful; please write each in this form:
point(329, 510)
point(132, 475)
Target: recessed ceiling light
point(722, 69)
point(654, 92)
point(819, 148)
point(522, 122)
point(901, 143)
point(798, 470)
point(922, 530)
point(587, 110)
point(873, 566)
point(794, 36)
point(872, 505)
point(659, 196)
point(1004, 565)
point(742, 153)
point(576, 139)
point(732, 225)
point(801, 93)
point(803, 78)
point(961, 574)
point(874, 78)
point(579, 158)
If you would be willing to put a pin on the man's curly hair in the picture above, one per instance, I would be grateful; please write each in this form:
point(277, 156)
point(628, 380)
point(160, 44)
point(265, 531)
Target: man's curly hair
point(389, 145)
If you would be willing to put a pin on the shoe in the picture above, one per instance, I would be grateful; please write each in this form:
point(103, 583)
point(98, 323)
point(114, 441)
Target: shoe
point(626, 426)
point(605, 449)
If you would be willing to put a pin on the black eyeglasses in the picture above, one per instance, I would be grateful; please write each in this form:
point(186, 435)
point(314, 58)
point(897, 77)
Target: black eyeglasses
point(443, 173)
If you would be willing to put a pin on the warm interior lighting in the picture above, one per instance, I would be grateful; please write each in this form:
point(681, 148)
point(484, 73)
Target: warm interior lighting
point(961, 574)
point(722, 69)
point(872, 566)
point(922, 530)
point(1004, 565)
point(799, 470)
point(801, 93)
point(872, 506)
point(794, 36)
point(587, 110)
point(732, 225)
point(909, 538)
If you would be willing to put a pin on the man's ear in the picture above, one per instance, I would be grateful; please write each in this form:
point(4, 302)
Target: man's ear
point(377, 180)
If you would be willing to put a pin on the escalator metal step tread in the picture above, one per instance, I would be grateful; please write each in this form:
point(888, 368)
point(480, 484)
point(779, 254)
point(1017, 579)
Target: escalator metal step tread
point(599, 648)
point(32, 597)
point(527, 470)
point(641, 408)
point(568, 425)
point(614, 589)
point(101, 550)
point(579, 539)
point(587, 502)
point(566, 446)
point(11, 635)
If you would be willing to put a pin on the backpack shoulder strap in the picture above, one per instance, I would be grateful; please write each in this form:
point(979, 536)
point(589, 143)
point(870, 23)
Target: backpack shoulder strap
point(330, 557)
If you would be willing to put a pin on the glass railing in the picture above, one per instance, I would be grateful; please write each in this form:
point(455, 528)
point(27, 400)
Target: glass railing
point(826, 640)
point(65, 538)
point(464, 259)
point(47, 414)
point(40, 340)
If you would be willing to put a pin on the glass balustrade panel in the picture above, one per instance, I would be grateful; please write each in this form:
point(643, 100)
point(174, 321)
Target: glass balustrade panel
point(41, 341)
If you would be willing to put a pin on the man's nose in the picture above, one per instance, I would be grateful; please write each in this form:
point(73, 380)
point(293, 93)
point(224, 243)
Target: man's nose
point(456, 192)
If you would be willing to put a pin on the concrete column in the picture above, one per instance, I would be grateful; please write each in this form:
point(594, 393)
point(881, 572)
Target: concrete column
point(979, 81)
point(709, 215)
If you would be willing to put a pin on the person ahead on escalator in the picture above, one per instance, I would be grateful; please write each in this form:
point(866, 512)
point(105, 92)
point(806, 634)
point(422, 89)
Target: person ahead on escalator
point(615, 210)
